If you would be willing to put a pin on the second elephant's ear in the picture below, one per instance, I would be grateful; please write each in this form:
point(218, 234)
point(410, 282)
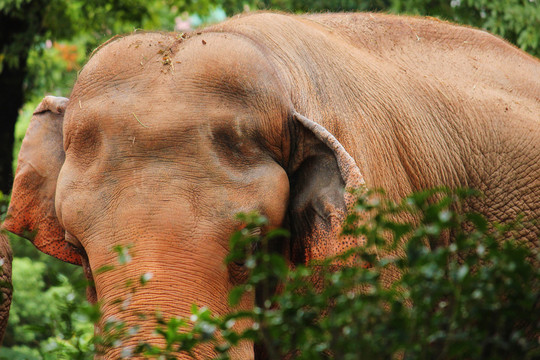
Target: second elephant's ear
point(320, 172)
point(31, 213)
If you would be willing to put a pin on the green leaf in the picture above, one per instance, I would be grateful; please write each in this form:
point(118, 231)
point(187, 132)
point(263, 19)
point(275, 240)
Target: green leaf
point(235, 295)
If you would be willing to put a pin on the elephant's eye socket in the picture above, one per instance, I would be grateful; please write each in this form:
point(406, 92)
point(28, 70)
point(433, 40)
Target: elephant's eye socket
point(77, 249)
point(73, 241)
point(240, 267)
point(239, 262)
point(238, 273)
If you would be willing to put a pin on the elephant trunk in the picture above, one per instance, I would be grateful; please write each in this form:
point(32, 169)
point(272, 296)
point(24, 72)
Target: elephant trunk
point(162, 279)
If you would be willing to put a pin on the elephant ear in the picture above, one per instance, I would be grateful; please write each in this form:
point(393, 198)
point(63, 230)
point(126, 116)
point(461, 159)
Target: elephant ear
point(31, 213)
point(320, 172)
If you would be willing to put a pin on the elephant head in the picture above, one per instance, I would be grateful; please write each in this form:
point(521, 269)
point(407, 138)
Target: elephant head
point(162, 142)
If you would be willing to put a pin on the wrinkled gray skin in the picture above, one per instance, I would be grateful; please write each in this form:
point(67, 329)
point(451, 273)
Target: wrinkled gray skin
point(165, 138)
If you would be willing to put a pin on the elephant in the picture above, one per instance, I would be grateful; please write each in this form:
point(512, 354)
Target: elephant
point(165, 137)
point(6, 289)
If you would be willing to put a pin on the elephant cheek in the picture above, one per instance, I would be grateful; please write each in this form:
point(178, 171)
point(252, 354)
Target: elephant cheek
point(274, 194)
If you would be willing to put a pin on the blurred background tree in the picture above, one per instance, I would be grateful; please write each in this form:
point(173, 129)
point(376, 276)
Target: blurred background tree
point(44, 43)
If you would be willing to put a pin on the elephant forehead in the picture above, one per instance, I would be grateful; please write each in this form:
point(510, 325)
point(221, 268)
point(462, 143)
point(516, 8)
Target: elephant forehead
point(202, 63)
point(125, 56)
point(156, 81)
point(153, 91)
point(128, 83)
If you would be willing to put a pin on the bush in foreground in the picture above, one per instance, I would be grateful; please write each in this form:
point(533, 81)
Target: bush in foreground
point(474, 299)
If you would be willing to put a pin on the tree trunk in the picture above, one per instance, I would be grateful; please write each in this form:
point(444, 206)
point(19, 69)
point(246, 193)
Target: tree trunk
point(18, 31)
point(11, 100)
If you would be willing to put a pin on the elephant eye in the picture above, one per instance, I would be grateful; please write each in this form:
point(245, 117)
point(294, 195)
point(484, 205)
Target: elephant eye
point(73, 242)
point(78, 250)
point(240, 262)
point(238, 271)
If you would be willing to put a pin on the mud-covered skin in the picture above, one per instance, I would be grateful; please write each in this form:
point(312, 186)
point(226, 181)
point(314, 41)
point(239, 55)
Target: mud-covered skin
point(6, 289)
point(165, 138)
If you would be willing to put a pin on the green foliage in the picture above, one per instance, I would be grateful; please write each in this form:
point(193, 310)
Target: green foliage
point(46, 322)
point(85, 24)
point(48, 309)
point(234, 6)
point(11, 5)
point(475, 299)
point(49, 70)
